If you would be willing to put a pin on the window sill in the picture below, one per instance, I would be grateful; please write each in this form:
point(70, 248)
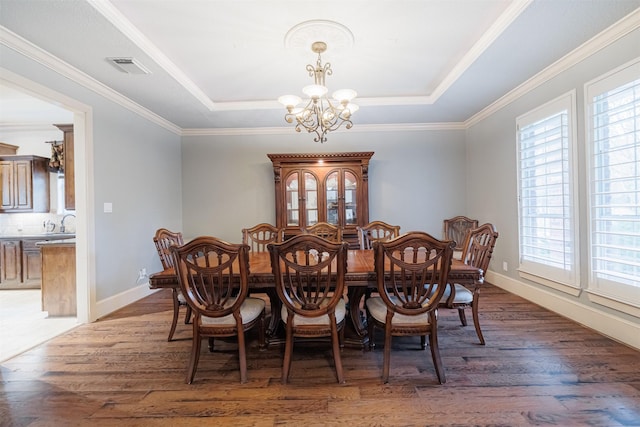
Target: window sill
point(562, 287)
point(613, 303)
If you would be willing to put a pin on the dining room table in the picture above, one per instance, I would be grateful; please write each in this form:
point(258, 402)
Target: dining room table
point(359, 280)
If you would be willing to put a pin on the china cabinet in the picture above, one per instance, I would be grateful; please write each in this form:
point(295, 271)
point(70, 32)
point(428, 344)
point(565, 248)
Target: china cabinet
point(328, 187)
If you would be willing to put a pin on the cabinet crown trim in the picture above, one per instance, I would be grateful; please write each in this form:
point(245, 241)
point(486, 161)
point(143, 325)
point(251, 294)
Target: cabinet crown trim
point(314, 157)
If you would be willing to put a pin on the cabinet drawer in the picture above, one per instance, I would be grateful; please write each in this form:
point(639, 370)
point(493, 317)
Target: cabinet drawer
point(30, 245)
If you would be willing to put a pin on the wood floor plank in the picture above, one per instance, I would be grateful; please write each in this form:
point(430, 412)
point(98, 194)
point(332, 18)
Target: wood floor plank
point(536, 369)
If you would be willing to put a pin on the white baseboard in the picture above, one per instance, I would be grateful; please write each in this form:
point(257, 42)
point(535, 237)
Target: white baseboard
point(589, 316)
point(116, 302)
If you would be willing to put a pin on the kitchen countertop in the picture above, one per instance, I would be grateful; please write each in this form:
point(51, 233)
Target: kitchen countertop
point(43, 236)
point(58, 242)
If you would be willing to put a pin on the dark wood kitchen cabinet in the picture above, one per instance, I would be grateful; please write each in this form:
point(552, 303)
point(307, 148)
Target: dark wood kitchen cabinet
point(21, 261)
point(69, 168)
point(31, 264)
point(329, 187)
point(10, 264)
point(24, 184)
point(59, 278)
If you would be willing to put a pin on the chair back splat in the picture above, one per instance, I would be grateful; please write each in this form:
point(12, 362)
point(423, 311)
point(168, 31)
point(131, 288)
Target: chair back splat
point(259, 236)
point(310, 276)
point(325, 230)
point(163, 240)
point(376, 231)
point(411, 271)
point(456, 229)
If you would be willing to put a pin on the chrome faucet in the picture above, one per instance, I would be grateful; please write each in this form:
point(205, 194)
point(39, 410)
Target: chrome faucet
point(62, 222)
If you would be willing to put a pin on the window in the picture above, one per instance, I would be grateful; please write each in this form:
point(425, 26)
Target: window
point(613, 116)
point(546, 194)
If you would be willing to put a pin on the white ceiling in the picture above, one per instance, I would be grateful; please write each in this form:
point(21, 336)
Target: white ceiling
point(223, 63)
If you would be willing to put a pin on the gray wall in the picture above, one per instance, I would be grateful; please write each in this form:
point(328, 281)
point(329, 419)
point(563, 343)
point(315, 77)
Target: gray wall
point(415, 178)
point(492, 176)
point(136, 167)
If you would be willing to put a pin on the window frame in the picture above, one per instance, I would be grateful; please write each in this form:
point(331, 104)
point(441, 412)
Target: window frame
point(567, 281)
point(610, 293)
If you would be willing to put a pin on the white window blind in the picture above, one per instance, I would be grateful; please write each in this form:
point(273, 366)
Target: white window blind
point(546, 194)
point(614, 116)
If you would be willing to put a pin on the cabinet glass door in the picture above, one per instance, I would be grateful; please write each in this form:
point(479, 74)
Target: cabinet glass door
point(291, 195)
point(331, 192)
point(350, 198)
point(311, 198)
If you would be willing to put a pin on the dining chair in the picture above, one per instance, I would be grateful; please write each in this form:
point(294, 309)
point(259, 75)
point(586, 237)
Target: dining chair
point(214, 277)
point(310, 277)
point(456, 229)
point(376, 231)
point(325, 230)
point(411, 271)
point(163, 240)
point(476, 251)
point(258, 237)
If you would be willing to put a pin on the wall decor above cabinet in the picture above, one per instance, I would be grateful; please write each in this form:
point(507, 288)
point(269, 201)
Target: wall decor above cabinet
point(24, 184)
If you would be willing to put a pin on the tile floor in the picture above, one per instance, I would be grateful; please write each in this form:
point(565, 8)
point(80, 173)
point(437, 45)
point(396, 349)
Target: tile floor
point(23, 324)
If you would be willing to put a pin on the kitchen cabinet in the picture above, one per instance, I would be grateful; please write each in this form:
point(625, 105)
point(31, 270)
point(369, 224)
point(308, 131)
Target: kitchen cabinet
point(10, 264)
point(329, 187)
point(31, 264)
point(69, 169)
point(59, 277)
point(21, 261)
point(24, 184)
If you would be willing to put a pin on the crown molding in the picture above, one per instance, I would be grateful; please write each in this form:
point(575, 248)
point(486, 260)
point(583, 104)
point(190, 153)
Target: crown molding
point(608, 36)
point(31, 51)
point(27, 127)
point(400, 127)
point(502, 23)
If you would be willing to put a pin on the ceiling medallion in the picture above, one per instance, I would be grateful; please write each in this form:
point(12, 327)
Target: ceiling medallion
point(332, 33)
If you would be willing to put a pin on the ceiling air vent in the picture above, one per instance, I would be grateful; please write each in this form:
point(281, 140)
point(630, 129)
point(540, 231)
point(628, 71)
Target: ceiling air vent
point(129, 65)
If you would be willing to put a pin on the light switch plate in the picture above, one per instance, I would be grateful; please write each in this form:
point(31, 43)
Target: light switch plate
point(108, 207)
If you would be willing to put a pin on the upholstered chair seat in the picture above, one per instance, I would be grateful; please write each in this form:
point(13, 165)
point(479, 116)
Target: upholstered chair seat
point(298, 320)
point(250, 310)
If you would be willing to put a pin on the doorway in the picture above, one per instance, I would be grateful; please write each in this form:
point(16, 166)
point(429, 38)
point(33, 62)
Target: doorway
point(23, 301)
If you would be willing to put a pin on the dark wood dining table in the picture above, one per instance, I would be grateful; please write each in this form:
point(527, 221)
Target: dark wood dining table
point(360, 278)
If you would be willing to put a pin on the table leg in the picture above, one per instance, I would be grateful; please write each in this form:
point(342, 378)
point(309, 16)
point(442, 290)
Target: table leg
point(356, 328)
point(276, 306)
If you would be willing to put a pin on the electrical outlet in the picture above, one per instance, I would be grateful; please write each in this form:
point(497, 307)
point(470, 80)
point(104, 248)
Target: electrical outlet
point(505, 266)
point(142, 276)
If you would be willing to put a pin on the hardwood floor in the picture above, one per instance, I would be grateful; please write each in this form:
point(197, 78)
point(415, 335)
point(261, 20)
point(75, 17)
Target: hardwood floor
point(536, 369)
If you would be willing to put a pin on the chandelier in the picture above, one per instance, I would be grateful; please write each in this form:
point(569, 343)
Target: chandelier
point(320, 114)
